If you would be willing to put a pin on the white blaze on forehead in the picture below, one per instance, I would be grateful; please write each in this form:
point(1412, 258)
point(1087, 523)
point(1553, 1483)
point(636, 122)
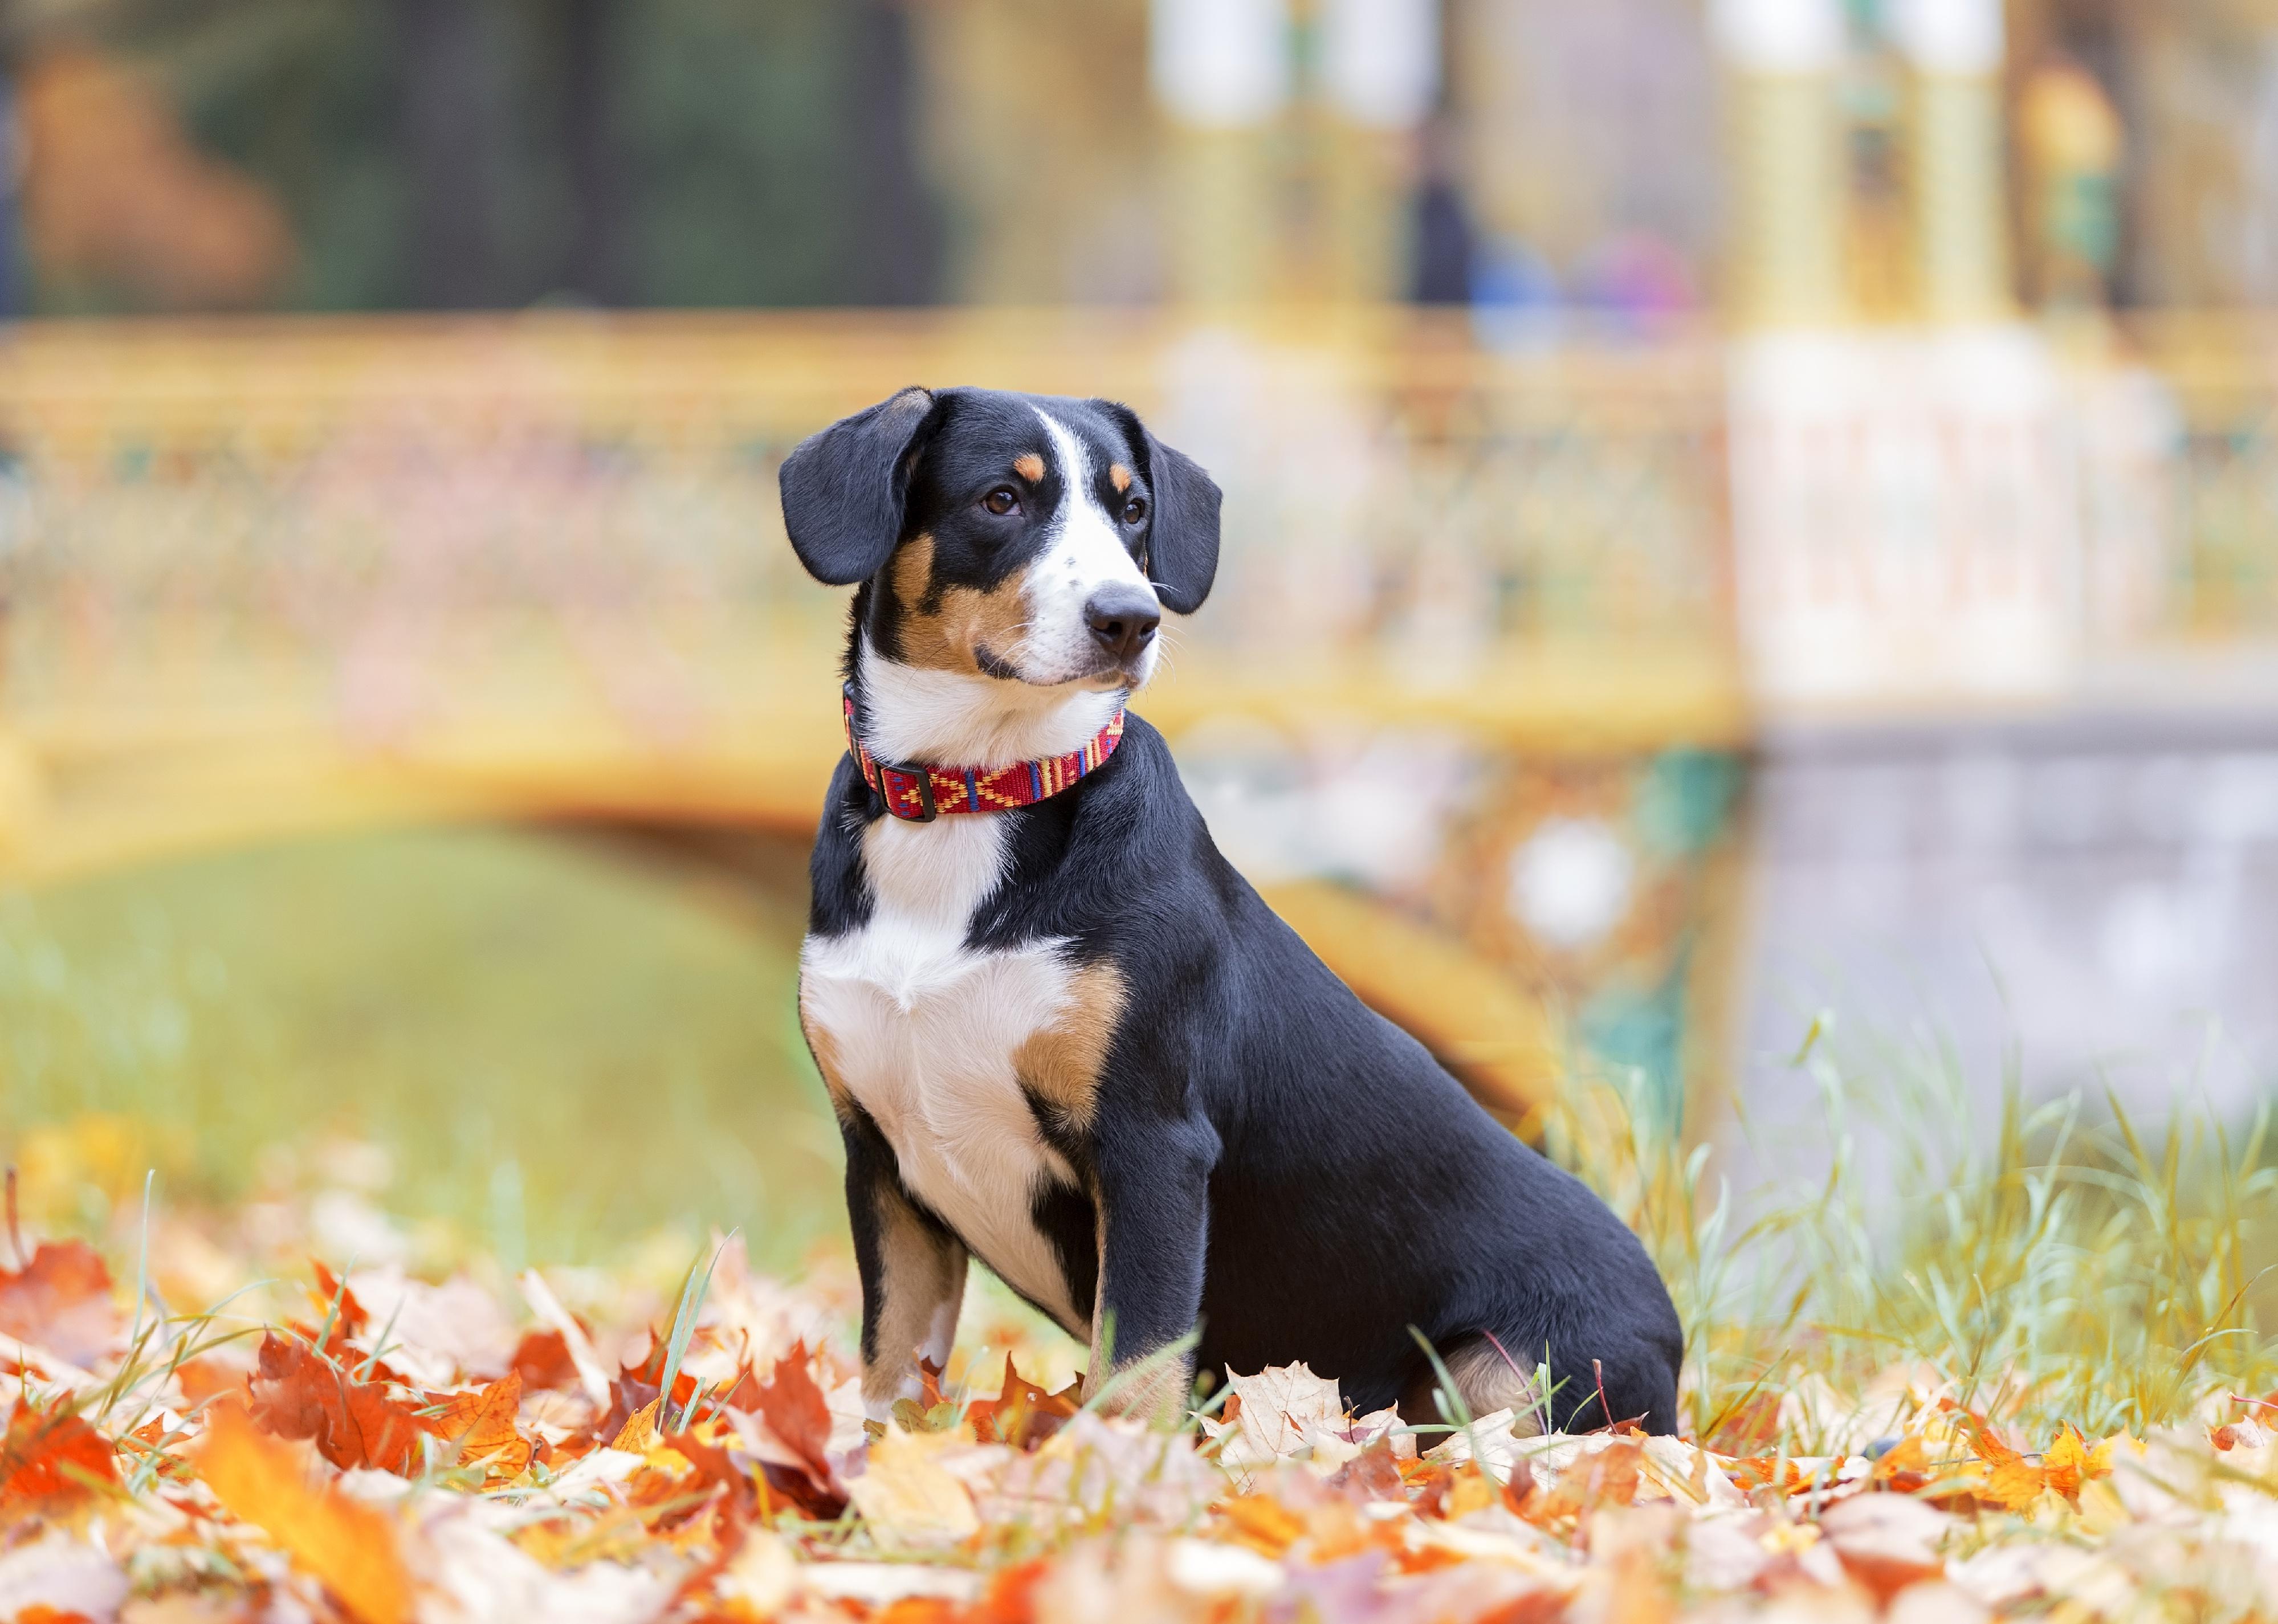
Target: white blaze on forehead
point(1084, 550)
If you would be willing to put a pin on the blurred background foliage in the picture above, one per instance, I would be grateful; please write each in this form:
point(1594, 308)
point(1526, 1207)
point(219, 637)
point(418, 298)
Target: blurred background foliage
point(1733, 506)
point(449, 154)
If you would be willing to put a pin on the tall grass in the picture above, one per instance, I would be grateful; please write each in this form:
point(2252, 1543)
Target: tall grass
point(2050, 1261)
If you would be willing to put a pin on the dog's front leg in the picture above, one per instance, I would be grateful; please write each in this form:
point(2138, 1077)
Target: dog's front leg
point(913, 1271)
point(1152, 1184)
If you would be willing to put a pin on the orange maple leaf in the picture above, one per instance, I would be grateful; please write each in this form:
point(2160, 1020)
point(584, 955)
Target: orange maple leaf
point(793, 1407)
point(2070, 1462)
point(2011, 1481)
point(338, 1304)
point(299, 1394)
point(1022, 1413)
point(482, 1425)
point(49, 1458)
point(349, 1546)
point(60, 1302)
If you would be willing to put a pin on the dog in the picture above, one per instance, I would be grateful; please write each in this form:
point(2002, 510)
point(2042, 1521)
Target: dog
point(1062, 1035)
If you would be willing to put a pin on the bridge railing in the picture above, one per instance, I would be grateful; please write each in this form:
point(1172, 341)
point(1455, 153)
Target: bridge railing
point(1470, 654)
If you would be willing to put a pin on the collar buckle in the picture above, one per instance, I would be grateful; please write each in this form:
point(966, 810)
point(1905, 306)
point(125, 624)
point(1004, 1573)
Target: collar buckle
point(927, 812)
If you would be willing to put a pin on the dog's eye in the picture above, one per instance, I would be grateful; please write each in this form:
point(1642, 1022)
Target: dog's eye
point(1134, 510)
point(1003, 500)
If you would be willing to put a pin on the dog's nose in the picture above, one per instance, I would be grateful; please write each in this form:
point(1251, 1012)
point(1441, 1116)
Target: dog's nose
point(1122, 618)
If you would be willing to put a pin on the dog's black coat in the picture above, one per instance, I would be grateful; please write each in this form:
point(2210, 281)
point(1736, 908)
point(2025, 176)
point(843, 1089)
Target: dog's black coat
point(1278, 1162)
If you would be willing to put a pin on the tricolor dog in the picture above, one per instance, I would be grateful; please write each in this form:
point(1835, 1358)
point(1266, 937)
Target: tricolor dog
point(1062, 1036)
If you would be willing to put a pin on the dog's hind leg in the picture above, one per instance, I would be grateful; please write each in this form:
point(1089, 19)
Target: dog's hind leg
point(1488, 1379)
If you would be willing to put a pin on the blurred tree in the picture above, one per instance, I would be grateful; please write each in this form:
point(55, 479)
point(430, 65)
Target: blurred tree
point(490, 153)
point(451, 101)
point(597, 266)
point(116, 203)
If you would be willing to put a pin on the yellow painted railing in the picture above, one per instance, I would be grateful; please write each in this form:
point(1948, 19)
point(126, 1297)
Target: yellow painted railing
point(268, 574)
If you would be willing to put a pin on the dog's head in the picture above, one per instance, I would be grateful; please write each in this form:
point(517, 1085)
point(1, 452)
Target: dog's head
point(1026, 538)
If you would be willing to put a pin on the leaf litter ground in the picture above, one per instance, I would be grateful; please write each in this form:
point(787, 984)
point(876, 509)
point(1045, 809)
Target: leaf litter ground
point(341, 1442)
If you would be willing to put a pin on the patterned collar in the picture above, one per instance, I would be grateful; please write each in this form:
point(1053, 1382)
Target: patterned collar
point(919, 793)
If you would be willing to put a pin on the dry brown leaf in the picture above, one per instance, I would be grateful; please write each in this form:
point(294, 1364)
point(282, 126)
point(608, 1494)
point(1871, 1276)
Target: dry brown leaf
point(906, 1495)
point(298, 1394)
point(1887, 1542)
point(61, 1303)
point(1282, 1406)
point(349, 1546)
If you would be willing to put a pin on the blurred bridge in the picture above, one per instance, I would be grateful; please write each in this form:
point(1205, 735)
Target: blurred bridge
point(265, 578)
point(1466, 699)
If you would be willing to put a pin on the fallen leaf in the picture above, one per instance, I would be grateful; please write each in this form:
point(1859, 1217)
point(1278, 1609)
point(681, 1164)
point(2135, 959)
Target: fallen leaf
point(61, 1303)
point(201, 1379)
point(2070, 1462)
point(1607, 1476)
point(344, 1316)
point(1374, 1473)
point(1887, 1542)
point(1750, 1428)
point(1282, 1406)
point(1262, 1523)
point(1905, 1466)
point(907, 1495)
point(760, 1577)
point(59, 1578)
point(1472, 1491)
point(638, 1436)
point(2011, 1481)
point(793, 1407)
point(296, 1393)
point(48, 1458)
point(1022, 1413)
point(542, 1359)
point(482, 1424)
point(349, 1546)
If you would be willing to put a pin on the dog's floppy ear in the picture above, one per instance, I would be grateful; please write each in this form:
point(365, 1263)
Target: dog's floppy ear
point(843, 488)
point(1182, 547)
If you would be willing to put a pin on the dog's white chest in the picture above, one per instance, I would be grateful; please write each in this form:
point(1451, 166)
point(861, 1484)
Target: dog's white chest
point(923, 1032)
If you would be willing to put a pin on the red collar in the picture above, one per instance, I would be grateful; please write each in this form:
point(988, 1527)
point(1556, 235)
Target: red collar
point(919, 793)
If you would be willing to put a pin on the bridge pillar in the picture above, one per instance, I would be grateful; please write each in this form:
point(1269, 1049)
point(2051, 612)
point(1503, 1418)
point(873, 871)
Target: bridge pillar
point(1788, 181)
point(1961, 242)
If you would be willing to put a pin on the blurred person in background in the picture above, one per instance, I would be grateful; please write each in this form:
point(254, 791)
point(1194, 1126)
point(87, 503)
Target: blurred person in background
point(1445, 240)
point(2073, 144)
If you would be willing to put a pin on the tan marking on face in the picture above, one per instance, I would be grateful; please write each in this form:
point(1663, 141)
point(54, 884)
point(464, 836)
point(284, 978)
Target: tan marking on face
point(1061, 1063)
point(942, 631)
point(1030, 467)
point(1119, 476)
